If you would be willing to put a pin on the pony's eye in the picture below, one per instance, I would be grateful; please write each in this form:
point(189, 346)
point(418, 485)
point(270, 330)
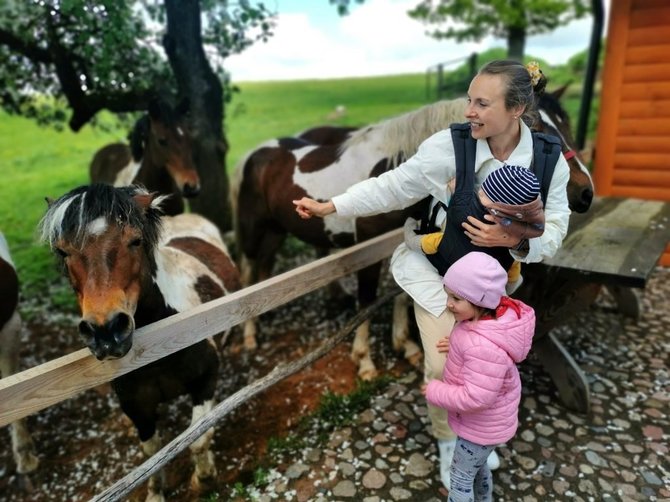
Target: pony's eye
point(135, 243)
point(61, 253)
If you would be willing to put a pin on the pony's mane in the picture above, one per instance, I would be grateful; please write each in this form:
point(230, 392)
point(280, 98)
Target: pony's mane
point(70, 215)
point(402, 135)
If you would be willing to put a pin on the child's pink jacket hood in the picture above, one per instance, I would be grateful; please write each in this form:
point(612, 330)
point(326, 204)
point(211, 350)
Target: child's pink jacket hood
point(481, 387)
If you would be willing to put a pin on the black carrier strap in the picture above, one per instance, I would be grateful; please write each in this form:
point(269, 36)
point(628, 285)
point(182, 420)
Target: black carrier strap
point(465, 146)
point(546, 149)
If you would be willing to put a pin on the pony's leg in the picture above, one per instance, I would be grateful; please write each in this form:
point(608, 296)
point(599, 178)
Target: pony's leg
point(248, 277)
point(157, 481)
point(203, 458)
point(368, 280)
point(202, 393)
point(142, 412)
point(360, 352)
point(258, 269)
point(400, 336)
point(23, 448)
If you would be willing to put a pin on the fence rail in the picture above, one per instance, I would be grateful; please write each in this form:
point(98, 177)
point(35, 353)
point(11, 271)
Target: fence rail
point(37, 388)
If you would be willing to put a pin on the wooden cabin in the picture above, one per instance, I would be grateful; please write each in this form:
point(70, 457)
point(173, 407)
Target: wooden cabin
point(632, 149)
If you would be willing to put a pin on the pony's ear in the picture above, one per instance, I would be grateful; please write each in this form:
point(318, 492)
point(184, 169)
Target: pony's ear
point(144, 200)
point(138, 137)
point(49, 201)
point(559, 92)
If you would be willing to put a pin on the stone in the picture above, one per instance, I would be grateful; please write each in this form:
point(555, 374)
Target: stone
point(374, 479)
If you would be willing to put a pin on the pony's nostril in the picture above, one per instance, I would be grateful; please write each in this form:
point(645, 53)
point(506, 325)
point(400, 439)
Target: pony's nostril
point(86, 330)
point(118, 326)
point(191, 190)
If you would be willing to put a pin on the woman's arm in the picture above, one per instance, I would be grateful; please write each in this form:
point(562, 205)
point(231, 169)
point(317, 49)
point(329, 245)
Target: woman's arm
point(425, 173)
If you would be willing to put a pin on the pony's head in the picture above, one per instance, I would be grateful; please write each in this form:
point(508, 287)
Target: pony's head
point(555, 120)
point(162, 139)
point(104, 238)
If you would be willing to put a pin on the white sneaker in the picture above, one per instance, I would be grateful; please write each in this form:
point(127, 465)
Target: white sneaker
point(446, 448)
point(493, 461)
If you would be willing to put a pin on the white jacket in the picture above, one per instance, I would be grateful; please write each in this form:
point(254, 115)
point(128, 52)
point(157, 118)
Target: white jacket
point(427, 173)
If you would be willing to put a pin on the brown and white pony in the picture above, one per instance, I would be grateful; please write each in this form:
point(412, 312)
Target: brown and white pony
point(268, 178)
point(159, 157)
point(23, 448)
point(129, 266)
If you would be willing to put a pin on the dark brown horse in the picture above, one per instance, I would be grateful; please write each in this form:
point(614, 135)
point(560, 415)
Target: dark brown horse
point(268, 179)
point(130, 267)
point(10, 340)
point(159, 157)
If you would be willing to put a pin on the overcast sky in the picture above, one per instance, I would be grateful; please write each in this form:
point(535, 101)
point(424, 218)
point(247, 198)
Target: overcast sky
point(377, 38)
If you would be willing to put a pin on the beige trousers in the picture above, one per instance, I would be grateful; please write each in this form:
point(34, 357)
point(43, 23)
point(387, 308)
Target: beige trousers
point(432, 329)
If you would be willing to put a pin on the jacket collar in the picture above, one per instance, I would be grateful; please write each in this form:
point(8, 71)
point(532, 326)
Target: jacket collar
point(522, 155)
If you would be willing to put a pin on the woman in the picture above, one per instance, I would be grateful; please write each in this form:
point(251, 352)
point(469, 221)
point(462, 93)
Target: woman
point(501, 105)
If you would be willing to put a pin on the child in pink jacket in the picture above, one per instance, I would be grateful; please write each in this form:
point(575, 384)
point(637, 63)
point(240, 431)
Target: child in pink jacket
point(481, 387)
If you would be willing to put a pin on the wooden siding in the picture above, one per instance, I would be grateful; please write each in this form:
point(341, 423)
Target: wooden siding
point(633, 142)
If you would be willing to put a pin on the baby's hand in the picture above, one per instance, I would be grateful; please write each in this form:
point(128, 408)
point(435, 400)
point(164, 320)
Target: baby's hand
point(443, 345)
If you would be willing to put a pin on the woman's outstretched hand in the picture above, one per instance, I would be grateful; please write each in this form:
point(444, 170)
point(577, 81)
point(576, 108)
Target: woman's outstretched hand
point(306, 208)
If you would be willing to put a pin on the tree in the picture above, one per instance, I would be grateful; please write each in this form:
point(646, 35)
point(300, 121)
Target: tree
point(512, 20)
point(90, 55)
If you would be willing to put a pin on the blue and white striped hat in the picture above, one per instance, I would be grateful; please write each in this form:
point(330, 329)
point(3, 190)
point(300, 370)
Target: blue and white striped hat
point(512, 185)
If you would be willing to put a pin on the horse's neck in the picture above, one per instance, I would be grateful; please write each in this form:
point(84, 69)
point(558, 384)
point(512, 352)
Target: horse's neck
point(154, 178)
point(151, 306)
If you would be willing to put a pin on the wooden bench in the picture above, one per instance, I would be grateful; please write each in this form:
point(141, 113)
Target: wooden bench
point(616, 244)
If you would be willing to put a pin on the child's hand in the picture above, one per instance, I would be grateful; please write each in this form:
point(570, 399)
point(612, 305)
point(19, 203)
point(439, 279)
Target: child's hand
point(443, 345)
point(424, 387)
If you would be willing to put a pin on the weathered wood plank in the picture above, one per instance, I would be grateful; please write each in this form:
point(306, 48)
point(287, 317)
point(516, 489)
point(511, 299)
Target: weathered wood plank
point(36, 388)
point(618, 241)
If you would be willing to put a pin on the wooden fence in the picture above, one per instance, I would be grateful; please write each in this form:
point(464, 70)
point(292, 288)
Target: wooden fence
point(37, 388)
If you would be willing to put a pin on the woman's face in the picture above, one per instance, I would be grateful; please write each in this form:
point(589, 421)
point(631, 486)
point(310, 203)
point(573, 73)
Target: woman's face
point(486, 109)
point(462, 309)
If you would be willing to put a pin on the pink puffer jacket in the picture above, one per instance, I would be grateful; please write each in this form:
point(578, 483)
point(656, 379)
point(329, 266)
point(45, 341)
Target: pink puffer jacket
point(481, 387)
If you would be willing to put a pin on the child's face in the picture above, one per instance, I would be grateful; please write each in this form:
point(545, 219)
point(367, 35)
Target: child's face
point(462, 309)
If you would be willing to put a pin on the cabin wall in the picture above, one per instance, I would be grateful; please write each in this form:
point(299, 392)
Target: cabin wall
point(632, 151)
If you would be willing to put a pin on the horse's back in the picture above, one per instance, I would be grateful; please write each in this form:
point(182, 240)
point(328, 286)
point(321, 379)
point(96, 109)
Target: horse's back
point(108, 162)
point(193, 263)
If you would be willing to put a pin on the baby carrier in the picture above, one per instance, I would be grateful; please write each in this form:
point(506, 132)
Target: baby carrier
point(465, 202)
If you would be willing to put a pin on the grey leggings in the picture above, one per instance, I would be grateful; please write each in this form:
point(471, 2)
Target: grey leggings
point(471, 478)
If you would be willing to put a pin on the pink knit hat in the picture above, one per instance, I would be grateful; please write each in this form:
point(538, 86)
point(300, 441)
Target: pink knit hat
point(478, 278)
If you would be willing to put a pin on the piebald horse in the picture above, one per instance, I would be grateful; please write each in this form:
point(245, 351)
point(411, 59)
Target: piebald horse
point(130, 266)
point(159, 157)
point(268, 178)
point(23, 448)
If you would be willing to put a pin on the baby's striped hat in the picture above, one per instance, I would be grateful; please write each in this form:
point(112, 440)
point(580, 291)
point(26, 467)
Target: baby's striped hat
point(512, 185)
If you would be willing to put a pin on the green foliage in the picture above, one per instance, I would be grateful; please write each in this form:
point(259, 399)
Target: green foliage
point(475, 19)
point(111, 50)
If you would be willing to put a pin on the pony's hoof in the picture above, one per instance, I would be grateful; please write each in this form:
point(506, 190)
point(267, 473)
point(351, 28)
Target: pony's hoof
point(155, 497)
point(250, 344)
point(416, 360)
point(201, 486)
point(367, 374)
point(28, 463)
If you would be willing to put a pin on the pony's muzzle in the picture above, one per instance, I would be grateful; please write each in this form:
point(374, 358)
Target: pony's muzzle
point(111, 340)
point(190, 190)
point(584, 202)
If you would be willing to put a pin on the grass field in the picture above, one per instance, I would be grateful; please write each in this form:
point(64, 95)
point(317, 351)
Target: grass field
point(39, 162)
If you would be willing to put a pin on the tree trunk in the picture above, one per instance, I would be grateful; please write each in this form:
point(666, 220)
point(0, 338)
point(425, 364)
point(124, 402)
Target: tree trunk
point(199, 84)
point(516, 42)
